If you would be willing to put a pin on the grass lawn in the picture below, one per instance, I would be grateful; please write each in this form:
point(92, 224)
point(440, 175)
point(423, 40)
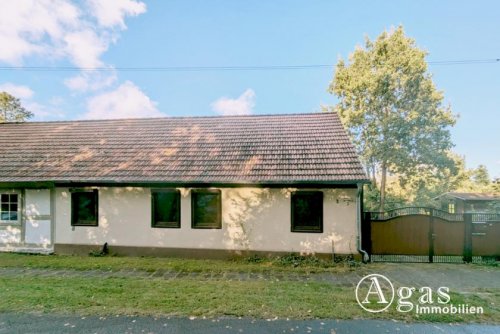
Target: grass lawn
point(197, 297)
point(150, 264)
point(188, 297)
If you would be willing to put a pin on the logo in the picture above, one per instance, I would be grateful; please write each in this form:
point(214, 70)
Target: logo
point(375, 293)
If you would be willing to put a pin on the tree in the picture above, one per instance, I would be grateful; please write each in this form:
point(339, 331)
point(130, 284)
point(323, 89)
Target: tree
point(421, 188)
point(11, 109)
point(481, 177)
point(495, 186)
point(476, 180)
point(392, 110)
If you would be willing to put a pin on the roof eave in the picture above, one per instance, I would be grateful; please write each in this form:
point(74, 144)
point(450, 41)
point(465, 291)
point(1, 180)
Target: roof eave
point(190, 184)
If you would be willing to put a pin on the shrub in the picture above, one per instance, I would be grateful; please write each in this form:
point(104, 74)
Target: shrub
point(296, 260)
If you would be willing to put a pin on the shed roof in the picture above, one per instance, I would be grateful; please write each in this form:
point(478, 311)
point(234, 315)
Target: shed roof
point(473, 196)
point(256, 149)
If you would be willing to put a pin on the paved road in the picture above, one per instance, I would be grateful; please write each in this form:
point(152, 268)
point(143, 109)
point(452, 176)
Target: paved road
point(40, 324)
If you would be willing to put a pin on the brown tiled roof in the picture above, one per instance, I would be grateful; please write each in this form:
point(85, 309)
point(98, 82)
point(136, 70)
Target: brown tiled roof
point(281, 149)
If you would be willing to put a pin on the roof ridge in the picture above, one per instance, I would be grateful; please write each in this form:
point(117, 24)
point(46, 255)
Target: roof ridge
point(319, 113)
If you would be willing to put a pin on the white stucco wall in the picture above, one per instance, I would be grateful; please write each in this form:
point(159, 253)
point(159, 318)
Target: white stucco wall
point(33, 231)
point(10, 235)
point(37, 218)
point(252, 219)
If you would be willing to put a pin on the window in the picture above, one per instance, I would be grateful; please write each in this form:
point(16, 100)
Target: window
point(307, 211)
point(84, 208)
point(451, 207)
point(9, 208)
point(166, 208)
point(206, 209)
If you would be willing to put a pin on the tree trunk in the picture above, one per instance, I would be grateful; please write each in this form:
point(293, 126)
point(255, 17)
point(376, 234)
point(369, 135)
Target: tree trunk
point(382, 184)
point(374, 175)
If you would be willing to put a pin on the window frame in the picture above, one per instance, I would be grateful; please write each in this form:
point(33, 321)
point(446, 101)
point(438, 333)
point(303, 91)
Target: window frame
point(178, 200)
point(300, 229)
point(196, 192)
point(73, 211)
point(18, 221)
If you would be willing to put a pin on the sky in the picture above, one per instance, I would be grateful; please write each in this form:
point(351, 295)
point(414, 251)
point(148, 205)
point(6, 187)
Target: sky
point(71, 37)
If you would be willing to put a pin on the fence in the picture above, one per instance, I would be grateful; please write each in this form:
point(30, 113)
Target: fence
point(422, 234)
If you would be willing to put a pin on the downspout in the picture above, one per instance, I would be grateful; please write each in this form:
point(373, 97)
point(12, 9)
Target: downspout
point(359, 200)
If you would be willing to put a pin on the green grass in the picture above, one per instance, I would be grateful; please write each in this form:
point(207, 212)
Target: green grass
point(198, 297)
point(189, 297)
point(115, 263)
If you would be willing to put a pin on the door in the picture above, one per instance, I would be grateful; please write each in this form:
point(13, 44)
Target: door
point(38, 219)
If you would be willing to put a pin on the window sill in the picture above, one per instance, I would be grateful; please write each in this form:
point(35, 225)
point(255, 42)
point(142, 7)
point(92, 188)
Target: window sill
point(206, 227)
point(5, 223)
point(307, 231)
point(160, 226)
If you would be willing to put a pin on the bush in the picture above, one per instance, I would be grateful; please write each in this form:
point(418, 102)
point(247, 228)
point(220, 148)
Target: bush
point(297, 260)
point(103, 252)
point(254, 259)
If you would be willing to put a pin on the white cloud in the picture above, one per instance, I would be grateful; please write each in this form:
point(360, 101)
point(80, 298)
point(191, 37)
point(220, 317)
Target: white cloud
point(56, 101)
point(127, 101)
point(85, 47)
point(30, 27)
point(19, 91)
point(63, 30)
point(243, 105)
point(91, 81)
point(44, 111)
point(112, 13)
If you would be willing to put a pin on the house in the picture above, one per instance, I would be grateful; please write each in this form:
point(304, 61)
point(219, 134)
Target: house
point(455, 202)
point(191, 186)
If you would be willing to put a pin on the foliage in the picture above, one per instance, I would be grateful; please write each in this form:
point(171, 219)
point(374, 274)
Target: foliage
point(495, 185)
point(95, 261)
point(478, 180)
point(11, 109)
point(371, 198)
point(481, 177)
point(422, 188)
point(297, 260)
point(393, 111)
point(255, 259)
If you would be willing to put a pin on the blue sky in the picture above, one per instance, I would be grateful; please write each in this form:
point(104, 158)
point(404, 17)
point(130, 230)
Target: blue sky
point(127, 33)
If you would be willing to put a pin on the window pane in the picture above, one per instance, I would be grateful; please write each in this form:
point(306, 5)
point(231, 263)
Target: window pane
point(307, 212)
point(206, 209)
point(84, 205)
point(166, 209)
point(13, 198)
point(8, 207)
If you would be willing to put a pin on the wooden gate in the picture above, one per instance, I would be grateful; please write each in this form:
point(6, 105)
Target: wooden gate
point(418, 234)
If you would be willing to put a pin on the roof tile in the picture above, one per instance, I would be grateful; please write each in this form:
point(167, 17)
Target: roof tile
point(291, 148)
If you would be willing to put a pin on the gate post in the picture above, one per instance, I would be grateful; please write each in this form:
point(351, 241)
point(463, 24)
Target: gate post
point(431, 237)
point(468, 237)
point(366, 233)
